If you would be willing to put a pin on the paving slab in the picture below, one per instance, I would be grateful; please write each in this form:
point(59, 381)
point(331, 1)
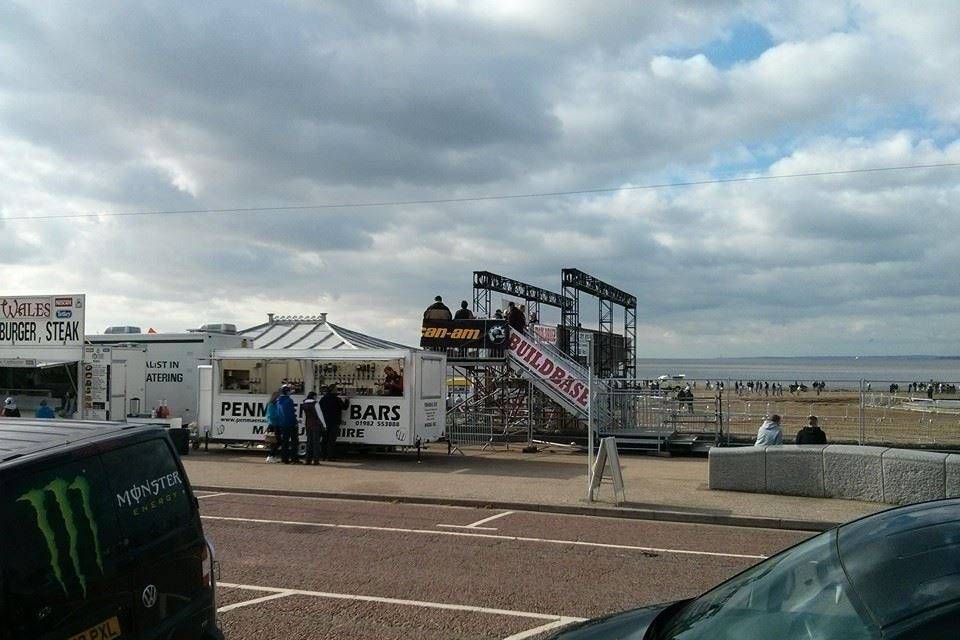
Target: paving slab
point(665, 488)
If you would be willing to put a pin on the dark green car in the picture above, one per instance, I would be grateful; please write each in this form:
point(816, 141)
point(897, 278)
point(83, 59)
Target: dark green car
point(100, 536)
point(890, 575)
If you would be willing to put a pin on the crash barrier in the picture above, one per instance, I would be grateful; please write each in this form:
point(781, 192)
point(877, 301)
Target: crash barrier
point(873, 474)
point(656, 419)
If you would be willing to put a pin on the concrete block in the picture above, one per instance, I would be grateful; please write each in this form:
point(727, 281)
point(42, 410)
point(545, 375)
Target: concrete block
point(738, 469)
point(913, 476)
point(952, 464)
point(795, 470)
point(853, 472)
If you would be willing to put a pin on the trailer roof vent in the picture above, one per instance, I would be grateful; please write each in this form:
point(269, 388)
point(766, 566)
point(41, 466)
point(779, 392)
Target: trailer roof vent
point(219, 328)
point(122, 329)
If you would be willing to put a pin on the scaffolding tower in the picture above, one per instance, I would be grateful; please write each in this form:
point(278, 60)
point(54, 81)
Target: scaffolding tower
point(612, 359)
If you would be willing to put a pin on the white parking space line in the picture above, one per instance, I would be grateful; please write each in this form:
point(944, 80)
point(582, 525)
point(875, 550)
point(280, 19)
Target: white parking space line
point(556, 624)
point(491, 518)
point(211, 495)
point(280, 592)
point(461, 470)
point(476, 525)
point(237, 605)
point(489, 536)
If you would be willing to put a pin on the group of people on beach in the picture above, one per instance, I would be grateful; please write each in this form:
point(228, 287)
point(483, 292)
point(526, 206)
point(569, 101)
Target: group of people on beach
point(321, 417)
point(771, 433)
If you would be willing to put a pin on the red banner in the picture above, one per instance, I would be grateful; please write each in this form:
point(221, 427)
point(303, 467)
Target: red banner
point(546, 332)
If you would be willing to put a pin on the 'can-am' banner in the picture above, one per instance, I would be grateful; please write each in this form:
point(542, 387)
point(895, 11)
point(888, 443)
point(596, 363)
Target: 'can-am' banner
point(550, 371)
point(47, 321)
point(464, 334)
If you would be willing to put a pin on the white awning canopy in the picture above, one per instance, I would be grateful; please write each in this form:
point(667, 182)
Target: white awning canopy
point(32, 363)
point(311, 332)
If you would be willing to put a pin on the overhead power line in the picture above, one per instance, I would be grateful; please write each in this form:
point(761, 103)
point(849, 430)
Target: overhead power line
point(487, 198)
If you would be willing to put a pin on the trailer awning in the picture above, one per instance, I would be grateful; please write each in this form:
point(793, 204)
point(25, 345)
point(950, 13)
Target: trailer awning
point(32, 363)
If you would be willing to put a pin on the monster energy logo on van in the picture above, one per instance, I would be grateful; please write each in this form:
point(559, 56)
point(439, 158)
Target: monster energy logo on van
point(151, 494)
point(60, 490)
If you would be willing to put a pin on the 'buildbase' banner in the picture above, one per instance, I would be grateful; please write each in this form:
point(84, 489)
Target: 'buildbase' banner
point(41, 321)
point(550, 370)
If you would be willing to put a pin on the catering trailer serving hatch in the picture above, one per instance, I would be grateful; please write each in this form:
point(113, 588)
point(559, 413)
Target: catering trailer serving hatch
point(236, 386)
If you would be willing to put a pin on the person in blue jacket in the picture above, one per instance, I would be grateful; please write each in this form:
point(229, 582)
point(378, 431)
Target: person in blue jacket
point(289, 427)
point(45, 411)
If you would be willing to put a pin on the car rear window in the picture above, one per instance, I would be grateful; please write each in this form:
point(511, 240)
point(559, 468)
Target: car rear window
point(59, 535)
point(148, 491)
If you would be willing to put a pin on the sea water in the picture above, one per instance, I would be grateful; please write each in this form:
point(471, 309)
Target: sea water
point(877, 370)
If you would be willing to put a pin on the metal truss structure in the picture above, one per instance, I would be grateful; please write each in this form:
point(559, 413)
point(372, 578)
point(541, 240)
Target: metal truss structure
point(496, 405)
point(608, 362)
point(485, 283)
point(501, 407)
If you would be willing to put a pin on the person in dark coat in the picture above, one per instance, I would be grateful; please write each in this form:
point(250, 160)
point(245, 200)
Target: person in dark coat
point(332, 406)
point(313, 424)
point(392, 382)
point(437, 311)
point(515, 318)
point(812, 433)
point(464, 313)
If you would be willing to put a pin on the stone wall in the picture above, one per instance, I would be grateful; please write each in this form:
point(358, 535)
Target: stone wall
point(875, 474)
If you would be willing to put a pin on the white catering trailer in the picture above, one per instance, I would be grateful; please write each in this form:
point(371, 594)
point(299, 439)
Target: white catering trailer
point(236, 386)
point(167, 371)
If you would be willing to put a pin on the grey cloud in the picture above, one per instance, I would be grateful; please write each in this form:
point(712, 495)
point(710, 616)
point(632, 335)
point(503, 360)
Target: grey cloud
point(183, 106)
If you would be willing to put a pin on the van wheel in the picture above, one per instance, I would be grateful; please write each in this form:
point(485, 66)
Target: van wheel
point(302, 450)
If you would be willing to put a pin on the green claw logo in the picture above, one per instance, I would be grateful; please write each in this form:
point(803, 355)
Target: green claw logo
point(60, 490)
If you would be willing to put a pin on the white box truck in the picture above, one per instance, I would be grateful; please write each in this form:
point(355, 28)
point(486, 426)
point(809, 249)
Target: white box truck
point(169, 369)
point(236, 386)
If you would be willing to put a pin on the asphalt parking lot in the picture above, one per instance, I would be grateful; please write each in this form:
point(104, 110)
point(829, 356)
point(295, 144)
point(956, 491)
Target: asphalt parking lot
point(295, 567)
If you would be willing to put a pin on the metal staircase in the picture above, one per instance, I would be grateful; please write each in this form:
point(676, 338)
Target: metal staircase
point(531, 357)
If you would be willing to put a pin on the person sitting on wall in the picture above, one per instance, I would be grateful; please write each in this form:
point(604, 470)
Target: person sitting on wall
point(392, 382)
point(812, 433)
point(770, 432)
point(45, 411)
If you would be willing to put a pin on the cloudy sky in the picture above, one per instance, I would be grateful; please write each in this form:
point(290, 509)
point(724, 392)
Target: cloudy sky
point(155, 106)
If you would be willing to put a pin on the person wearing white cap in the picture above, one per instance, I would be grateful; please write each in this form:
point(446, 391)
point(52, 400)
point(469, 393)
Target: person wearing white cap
point(10, 408)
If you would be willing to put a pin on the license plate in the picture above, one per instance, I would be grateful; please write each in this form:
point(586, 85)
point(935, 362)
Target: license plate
point(104, 631)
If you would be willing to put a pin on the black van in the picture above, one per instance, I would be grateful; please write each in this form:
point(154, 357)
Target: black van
point(100, 536)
